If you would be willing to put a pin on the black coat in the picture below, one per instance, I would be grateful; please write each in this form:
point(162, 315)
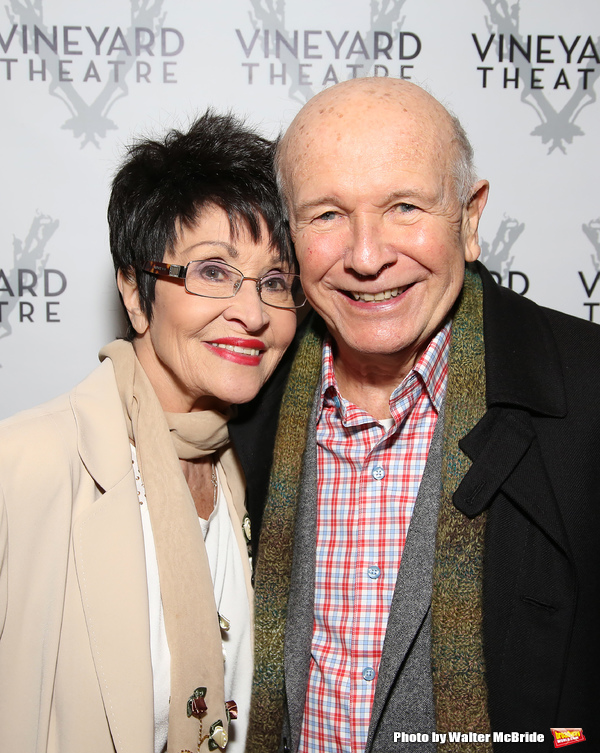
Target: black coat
point(536, 469)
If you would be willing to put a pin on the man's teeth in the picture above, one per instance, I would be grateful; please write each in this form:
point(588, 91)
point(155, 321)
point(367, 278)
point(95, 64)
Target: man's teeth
point(238, 349)
point(384, 295)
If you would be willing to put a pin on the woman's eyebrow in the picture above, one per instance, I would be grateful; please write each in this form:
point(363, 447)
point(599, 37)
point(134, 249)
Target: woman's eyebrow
point(231, 250)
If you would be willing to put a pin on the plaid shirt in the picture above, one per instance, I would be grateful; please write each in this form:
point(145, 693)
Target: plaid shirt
point(367, 483)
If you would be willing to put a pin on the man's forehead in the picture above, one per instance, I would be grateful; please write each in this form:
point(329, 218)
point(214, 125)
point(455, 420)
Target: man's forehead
point(410, 120)
point(366, 96)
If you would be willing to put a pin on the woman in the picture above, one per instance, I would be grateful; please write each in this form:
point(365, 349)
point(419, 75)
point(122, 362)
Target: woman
point(124, 575)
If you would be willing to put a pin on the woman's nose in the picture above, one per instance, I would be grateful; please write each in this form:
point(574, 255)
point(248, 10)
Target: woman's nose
point(247, 307)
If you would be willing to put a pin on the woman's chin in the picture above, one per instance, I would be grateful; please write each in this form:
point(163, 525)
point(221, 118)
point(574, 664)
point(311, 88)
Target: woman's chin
point(242, 396)
point(238, 392)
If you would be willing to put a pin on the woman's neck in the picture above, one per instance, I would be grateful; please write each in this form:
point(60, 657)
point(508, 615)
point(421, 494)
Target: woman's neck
point(201, 477)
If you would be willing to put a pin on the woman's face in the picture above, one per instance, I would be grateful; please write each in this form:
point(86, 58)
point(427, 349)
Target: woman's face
point(187, 350)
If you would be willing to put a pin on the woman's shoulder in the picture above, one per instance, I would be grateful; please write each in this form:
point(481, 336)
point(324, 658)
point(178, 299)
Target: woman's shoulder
point(38, 451)
point(50, 430)
point(33, 423)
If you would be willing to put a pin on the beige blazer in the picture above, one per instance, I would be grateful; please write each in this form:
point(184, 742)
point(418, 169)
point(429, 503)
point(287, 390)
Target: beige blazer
point(75, 666)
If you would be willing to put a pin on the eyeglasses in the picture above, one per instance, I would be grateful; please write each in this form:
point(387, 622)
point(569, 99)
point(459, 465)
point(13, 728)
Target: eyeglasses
point(215, 279)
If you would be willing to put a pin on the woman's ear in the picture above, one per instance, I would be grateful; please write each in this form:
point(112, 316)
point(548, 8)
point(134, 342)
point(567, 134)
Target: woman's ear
point(131, 298)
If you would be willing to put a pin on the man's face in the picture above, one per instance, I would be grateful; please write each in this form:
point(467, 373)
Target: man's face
point(380, 235)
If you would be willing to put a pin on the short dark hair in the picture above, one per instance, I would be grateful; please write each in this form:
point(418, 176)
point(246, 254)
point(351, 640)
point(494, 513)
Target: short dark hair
point(163, 185)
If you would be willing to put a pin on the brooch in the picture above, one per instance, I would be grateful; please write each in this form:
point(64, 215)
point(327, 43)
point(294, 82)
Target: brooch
point(217, 737)
point(196, 704)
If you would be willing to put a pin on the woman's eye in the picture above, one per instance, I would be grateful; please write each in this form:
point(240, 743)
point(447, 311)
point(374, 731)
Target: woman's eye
point(275, 283)
point(213, 273)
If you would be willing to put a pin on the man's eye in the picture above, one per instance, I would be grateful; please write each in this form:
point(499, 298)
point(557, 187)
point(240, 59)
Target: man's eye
point(327, 216)
point(405, 208)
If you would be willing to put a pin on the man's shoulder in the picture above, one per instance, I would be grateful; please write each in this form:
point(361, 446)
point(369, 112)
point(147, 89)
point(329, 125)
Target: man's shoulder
point(512, 311)
point(578, 333)
point(568, 325)
point(536, 357)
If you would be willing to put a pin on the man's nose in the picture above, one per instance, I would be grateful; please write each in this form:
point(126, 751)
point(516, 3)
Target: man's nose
point(369, 250)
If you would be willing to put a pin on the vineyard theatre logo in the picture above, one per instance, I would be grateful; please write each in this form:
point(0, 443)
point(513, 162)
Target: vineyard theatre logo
point(88, 67)
point(544, 68)
point(306, 60)
point(29, 290)
point(591, 283)
point(498, 257)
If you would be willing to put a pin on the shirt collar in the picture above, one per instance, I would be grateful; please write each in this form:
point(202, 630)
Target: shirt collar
point(432, 368)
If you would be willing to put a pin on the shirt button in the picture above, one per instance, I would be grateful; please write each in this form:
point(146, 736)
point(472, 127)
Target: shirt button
point(378, 473)
point(373, 572)
point(368, 674)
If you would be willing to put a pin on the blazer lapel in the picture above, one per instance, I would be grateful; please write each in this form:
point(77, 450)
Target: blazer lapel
point(110, 563)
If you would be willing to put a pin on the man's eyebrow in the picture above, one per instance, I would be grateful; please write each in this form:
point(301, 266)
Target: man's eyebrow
point(231, 250)
point(404, 194)
point(318, 202)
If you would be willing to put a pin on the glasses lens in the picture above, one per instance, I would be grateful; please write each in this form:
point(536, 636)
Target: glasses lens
point(213, 279)
point(282, 289)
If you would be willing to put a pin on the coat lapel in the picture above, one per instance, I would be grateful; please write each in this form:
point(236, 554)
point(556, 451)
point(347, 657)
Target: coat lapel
point(506, 454)
point(110, 563)
point(503, 446)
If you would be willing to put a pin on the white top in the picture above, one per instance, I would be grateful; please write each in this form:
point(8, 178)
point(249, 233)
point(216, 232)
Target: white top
point(231, 597)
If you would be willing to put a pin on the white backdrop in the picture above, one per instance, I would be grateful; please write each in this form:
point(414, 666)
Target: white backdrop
point(78, 80)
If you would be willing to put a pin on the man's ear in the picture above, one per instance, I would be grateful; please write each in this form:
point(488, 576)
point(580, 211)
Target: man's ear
point(471, 216)
point(131, 298)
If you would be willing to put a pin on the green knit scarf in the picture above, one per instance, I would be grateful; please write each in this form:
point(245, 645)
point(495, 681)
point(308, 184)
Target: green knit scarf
point(274, 566)
point(457, 653)
point(458, 668)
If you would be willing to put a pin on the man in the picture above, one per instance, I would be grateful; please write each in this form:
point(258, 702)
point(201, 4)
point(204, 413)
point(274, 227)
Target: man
point(436, 462)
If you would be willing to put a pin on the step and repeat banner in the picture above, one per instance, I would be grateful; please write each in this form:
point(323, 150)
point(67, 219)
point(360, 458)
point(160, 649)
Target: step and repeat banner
point(80, 80)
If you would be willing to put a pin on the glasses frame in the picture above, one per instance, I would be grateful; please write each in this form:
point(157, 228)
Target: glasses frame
point(179, 272)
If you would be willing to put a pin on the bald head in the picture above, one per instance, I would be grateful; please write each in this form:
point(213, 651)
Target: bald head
point(353, 112)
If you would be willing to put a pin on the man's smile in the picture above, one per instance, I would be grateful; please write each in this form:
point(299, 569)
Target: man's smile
point(382, 295)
